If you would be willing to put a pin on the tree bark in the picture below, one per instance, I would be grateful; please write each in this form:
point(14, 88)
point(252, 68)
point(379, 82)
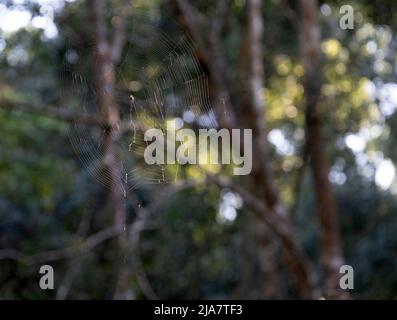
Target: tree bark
point(253, 115)
point(104, 73)
point(331, 257)
point(268, 262)
point(253, 103)
point(263, 196)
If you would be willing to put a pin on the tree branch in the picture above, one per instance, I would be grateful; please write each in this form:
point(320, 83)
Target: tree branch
point(60, 113)
point(68, 252)
point(263, 196)
point(63, 114)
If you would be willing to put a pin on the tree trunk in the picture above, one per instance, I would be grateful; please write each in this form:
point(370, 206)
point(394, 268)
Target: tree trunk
point(268, 263)
point(265, 200)
point(330, 244)
point(255, 115)
point(104, 73)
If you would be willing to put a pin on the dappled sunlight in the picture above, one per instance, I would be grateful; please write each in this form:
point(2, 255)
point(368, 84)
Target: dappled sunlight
point(331, 48)
point(230, 203)
point(385, 172)
point(283, 145)
point(355, 142)
point(179, 149)
point(13, 20)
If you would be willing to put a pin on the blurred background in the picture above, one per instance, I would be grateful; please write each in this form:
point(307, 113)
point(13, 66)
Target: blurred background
point(318, 87)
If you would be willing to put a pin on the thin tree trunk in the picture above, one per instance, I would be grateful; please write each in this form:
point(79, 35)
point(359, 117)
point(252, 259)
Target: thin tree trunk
point(331, 257)
point(104, 82)
point(252, 74)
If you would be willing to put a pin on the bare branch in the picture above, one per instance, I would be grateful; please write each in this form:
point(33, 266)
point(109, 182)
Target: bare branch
point(134, 240)
point(60, 113)
point(67, 280)
point(68, 252)
point(274, 220)
point(282, 226)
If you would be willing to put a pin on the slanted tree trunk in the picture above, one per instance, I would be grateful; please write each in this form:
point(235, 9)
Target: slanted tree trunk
point(331, 257)
point(253, 103)
point(263, 197)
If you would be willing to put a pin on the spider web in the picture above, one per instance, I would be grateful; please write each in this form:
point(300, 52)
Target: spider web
point(159, 80)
